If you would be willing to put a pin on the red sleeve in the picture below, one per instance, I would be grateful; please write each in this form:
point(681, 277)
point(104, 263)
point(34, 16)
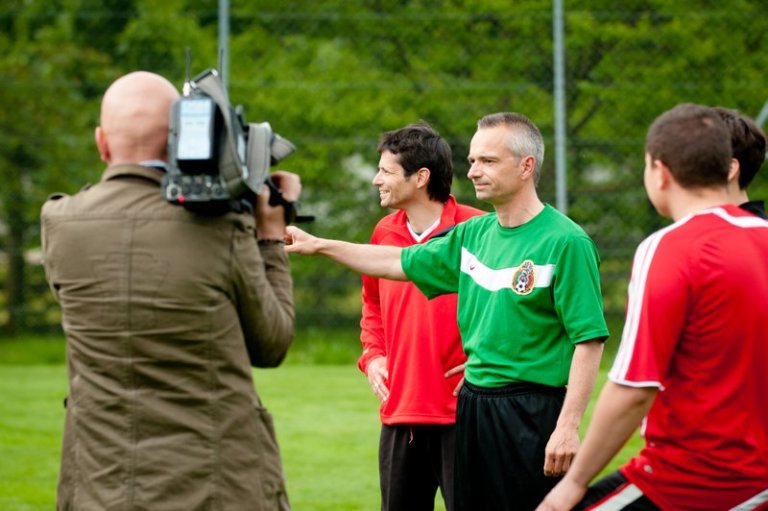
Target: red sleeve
point(371, 324)
point(658, 299)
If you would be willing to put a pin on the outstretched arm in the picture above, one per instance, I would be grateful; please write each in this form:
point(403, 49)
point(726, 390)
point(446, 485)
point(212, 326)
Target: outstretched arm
point(375, 260)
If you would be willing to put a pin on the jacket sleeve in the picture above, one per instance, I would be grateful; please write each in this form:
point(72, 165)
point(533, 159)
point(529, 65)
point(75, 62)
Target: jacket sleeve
point(264, 298)
point(45, 244)
point(371, 324)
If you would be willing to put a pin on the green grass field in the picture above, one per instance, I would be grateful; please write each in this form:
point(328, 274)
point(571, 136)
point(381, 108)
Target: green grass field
point(325, 416)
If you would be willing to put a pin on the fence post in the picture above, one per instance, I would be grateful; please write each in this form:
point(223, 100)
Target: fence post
point(561, 184)
point(224, 41)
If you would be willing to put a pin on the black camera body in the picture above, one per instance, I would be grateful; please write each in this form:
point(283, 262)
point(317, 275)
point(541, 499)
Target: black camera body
point(216, 161)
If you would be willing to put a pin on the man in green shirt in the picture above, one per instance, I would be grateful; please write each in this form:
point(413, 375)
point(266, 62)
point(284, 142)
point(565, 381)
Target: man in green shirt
point(530, 314)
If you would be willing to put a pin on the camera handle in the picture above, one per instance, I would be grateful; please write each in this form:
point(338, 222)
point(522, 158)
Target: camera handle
point(276, 198)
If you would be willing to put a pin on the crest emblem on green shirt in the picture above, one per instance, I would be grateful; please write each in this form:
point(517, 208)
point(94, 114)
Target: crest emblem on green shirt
point(524, 278)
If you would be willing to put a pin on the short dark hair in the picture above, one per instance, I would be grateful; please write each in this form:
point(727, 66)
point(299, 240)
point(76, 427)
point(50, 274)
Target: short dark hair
point(420, 146)
point(528, 140)
point(693, 143)
point(747, 143)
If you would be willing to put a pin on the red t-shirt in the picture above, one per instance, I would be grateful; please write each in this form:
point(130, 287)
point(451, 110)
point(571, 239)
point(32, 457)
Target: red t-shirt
point(419, 337)
point(697, 328)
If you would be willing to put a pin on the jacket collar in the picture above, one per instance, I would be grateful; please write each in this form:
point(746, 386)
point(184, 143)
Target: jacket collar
point(447, 219)
point(133, 170)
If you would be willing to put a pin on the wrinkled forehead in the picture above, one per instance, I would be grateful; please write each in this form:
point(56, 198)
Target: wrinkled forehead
point(491, 142)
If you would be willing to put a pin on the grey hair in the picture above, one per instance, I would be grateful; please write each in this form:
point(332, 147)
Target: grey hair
point(527, 140)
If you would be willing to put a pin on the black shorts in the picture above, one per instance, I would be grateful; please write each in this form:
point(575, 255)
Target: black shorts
point(501, 435)
point(414, 461)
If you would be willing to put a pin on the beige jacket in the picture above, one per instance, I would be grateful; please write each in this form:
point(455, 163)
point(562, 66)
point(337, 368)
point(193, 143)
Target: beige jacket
point(163, 310)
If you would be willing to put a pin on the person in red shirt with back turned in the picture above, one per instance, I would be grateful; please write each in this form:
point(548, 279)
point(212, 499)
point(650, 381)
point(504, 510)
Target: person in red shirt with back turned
point(694, 353)
point(412, 351)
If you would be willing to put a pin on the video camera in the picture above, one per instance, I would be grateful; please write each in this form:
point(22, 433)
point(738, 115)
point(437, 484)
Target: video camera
point(216, 161)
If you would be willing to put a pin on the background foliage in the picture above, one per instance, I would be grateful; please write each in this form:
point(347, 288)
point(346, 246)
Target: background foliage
point(331, 75)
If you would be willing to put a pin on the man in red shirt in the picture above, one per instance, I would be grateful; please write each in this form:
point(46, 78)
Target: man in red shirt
point(412, 352)
point(748, 146)
point(694, 351)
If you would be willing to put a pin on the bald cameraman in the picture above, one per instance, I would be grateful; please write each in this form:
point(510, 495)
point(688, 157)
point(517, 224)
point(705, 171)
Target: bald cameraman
point(164, 313)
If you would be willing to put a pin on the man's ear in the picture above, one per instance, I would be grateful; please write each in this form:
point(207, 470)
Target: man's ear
point(102, 144)
point(663, 175)
point(734, 171)
point(422, 177)
point(528, 167)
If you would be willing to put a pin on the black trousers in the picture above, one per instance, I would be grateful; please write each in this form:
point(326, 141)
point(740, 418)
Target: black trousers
point(501, 434)
point(414, 461)
point(614, 492)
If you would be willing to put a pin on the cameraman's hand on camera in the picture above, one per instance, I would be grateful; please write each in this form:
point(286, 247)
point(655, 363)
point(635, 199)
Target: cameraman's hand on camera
point(270, 220)
point(288, 183)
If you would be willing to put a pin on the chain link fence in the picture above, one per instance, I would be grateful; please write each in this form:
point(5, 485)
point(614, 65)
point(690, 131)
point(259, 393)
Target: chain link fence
point(332, 75)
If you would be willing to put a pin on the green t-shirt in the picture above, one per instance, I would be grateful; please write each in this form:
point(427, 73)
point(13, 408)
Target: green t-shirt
point(526, 294)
